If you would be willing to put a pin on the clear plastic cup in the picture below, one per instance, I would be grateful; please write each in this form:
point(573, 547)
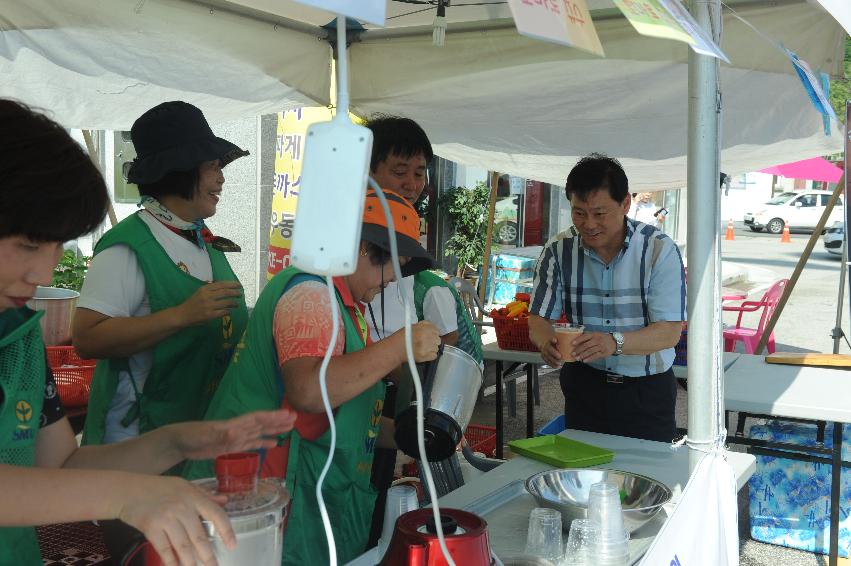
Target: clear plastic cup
point(581, 541)
point(400, 500)
point(544, 536)
point(566, 333)
point(604, 509)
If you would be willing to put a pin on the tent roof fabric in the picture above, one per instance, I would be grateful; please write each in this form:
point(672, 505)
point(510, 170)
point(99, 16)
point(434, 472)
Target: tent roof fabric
point(489, 98)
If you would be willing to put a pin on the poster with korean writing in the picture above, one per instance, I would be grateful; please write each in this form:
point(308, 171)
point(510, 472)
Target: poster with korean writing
point(289, 153)
point(567, 22)
point(668, 19)
point(289, 156)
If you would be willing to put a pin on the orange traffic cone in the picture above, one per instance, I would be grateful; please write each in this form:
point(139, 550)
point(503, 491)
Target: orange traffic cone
point(730, 234)
point(786, 238)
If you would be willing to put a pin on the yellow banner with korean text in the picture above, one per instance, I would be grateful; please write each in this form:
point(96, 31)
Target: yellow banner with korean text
point(289, 156)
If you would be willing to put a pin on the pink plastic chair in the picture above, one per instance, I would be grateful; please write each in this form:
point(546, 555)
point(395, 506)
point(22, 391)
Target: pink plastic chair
point(750, 336)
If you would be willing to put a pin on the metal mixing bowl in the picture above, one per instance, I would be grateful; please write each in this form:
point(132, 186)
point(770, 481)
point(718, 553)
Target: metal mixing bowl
point(567, 491)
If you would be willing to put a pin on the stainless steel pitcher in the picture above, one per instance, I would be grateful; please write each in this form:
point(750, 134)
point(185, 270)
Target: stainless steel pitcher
point(450, 389)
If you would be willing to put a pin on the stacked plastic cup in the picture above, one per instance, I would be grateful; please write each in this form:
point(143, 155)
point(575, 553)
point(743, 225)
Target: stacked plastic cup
point(544, 536)
point(604, 509)
point(400, 500)
point(581, 543)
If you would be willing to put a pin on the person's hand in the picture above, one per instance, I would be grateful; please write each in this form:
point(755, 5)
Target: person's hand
point(550, 353)
point(213, 300)
point(590, 346)
point(424, 339)
point(166, 510)
point(202, 440)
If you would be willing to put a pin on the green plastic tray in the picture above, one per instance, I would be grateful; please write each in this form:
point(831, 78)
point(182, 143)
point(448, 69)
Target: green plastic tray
point(560, 451)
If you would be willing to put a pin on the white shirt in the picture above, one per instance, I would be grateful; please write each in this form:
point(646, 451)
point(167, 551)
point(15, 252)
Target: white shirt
point(438, 308)
point(115, 287)
point(646, 212)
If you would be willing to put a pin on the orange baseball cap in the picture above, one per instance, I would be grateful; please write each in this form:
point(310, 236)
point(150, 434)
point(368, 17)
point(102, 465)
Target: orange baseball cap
point(406, 223)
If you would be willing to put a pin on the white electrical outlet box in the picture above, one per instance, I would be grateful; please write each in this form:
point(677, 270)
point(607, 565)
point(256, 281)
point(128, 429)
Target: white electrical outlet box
point(326, 235)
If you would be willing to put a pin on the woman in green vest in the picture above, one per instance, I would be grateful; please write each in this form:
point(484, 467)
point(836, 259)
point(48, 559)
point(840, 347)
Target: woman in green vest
point(161, 308)
point(50, 193)
point(278, 363)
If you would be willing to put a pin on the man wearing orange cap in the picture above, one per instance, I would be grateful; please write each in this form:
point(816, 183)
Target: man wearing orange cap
point(277, 363)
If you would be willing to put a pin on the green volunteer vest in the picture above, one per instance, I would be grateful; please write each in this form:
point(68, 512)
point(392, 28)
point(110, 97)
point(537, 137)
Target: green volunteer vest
point(469, 338)
point(22, 373)
point(253, 383)
point(188, 365)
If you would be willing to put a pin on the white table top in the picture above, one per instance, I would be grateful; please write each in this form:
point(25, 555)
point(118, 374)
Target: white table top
point(647, 457)
point(492, 351)
point(803, 392)
point(653, 459)
point(507, 529)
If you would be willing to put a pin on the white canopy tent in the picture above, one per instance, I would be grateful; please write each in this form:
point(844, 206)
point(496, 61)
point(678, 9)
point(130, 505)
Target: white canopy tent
point(489, 97)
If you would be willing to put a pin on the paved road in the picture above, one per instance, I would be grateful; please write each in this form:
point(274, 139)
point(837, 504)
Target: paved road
point(810, 314)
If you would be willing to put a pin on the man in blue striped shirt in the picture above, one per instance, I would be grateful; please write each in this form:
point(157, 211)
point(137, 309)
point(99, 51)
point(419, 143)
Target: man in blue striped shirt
point(624, 281)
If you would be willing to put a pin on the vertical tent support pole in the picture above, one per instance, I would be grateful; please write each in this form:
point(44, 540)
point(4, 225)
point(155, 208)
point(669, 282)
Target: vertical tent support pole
point(705, 386)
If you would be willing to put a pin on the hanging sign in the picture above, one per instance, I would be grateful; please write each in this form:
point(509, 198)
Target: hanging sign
point(567, 22)
point(668, 19)
point(372, 11)
point(812, 85)
point(703, 528)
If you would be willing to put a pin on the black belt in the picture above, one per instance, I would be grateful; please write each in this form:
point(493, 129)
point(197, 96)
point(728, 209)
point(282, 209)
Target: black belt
point(615, 378)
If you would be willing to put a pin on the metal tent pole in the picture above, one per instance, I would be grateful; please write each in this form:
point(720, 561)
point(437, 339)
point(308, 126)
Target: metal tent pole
point(837, 333)
point(705, 386)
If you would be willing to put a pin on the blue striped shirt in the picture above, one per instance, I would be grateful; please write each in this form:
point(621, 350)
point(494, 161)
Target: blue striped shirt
point(644, 283)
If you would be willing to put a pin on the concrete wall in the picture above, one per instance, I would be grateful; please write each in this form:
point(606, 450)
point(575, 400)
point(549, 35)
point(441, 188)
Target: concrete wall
point(244, 212)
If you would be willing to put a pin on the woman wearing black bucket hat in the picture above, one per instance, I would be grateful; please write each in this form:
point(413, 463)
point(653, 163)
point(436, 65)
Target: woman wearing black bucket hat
point(161, 308)
point(278, 365)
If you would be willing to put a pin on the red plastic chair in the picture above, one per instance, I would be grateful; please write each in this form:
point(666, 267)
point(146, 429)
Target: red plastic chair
point(751, 336)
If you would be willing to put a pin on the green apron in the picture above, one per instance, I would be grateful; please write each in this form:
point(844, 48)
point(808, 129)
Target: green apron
point(347, 491)
point(188, 365)
point(253, 382)
point(22, 374)
point(469, 338)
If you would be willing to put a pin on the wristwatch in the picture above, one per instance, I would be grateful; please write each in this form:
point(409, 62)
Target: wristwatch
point(618, 343)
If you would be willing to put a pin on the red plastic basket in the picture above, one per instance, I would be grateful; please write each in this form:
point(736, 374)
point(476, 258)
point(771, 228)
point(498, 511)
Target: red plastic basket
point(72, 374)
point(481, 438)
point(512, 333)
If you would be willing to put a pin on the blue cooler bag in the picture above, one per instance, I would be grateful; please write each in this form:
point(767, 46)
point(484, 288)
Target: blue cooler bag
point(790, 499)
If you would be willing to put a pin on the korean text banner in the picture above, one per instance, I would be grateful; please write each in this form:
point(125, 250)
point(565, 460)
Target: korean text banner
point(289, 154)
point(560, 21)
point(668, 19)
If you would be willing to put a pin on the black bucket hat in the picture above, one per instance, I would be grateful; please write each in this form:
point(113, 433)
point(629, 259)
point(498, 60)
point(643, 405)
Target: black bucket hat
point(175, 136)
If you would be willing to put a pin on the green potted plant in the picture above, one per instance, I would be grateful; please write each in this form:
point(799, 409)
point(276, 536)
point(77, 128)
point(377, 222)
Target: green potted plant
point(71, 271)
point(467, 210)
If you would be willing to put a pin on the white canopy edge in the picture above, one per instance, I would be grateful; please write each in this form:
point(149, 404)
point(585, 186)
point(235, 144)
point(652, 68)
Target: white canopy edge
point(840, 10)
point(102, 64)
point(490, 97)
point(511, 104)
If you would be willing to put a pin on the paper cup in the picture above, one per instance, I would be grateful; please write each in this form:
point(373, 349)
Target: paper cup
point(566, 333)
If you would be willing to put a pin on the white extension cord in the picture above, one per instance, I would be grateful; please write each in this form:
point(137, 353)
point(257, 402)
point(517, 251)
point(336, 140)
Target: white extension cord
point(412, 365)
point(343, 114)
